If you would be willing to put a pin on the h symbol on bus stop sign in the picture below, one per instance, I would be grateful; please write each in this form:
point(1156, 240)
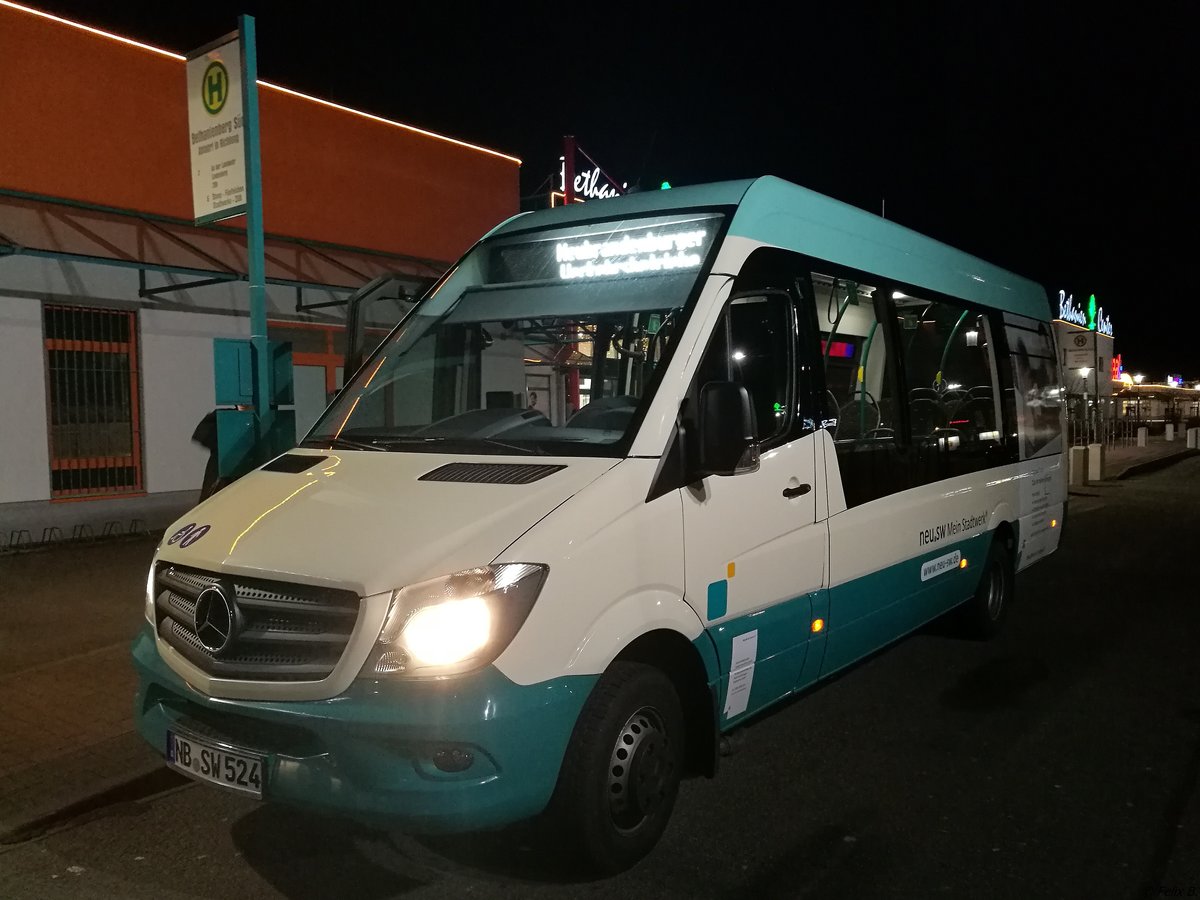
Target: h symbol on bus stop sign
point(214, 89)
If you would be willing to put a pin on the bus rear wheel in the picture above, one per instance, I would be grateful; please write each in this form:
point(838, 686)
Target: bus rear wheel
point(622, 769)
point(983, 615)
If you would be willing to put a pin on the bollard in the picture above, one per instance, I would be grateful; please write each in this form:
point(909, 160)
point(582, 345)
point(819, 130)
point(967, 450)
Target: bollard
point(1170, 431)
point(1078, 464)
point(1096, 454)
point(1193, 438)
point(1142, 432)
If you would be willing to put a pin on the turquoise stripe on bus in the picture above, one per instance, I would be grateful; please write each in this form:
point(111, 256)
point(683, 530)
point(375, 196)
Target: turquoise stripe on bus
point(783, 631)
point(869, 612)
point(861, 616)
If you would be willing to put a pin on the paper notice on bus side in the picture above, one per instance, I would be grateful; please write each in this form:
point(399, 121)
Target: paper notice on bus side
point(741, 673)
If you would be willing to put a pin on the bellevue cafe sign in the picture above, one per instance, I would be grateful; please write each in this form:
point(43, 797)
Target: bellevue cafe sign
point(1081, 350)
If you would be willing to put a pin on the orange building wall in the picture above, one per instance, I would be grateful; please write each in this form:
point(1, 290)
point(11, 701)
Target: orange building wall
point(89, 118)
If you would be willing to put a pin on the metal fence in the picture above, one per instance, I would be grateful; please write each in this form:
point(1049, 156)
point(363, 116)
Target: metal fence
point(92, 374)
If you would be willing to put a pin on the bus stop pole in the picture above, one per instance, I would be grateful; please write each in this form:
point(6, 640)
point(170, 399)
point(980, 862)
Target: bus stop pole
point(263, 410)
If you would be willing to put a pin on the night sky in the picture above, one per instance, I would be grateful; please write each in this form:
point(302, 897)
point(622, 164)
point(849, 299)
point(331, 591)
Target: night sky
point(1058, 144)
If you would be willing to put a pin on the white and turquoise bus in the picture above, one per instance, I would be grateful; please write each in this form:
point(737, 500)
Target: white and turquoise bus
point(631, 472)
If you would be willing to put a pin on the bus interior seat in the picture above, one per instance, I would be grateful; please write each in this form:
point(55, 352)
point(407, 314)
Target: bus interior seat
point(953, 397)
point(848, 418)
point(926, 415)
point(975, 414)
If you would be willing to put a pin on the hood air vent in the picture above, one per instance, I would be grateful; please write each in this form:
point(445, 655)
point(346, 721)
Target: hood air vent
point(491, 473)
point(293, 463)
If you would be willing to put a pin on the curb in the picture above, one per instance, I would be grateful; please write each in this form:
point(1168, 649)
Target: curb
point(147, 780)
point(1151, 465)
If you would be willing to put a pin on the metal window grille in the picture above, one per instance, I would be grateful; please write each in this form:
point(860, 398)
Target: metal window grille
point(92, 376)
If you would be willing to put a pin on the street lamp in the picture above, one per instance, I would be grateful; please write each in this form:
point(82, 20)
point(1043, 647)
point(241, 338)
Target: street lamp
point(1137, 380)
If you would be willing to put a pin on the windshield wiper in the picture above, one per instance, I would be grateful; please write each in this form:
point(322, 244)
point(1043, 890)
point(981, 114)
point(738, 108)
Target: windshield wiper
point(465, 444)
point(343, 443)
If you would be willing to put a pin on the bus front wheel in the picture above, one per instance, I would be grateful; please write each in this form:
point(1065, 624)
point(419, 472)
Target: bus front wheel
point(621, 773)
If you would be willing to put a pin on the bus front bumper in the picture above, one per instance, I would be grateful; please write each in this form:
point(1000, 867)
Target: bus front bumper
point(373, 752)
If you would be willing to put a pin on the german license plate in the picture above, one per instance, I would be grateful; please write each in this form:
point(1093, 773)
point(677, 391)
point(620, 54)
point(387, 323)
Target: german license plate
point(207, 762)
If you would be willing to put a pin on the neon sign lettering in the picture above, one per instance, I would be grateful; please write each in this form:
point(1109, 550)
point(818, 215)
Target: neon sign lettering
point(588, 184)
point(1069, 312)
point(651, 252)
point(1092, 318)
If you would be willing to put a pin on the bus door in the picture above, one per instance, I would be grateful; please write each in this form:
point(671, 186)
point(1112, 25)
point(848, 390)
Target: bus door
point(754, 549)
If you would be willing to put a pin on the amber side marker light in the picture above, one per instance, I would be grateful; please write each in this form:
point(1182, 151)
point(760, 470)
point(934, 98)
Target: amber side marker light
point(1054, 523)
point(962, 563)
point(818, 625)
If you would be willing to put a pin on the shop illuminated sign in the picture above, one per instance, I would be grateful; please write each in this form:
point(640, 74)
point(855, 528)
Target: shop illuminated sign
point(589, 184)
point(1069, 312)
point(652, 251)
point(1092, 318)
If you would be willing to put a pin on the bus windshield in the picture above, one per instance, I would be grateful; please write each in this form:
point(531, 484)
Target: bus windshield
point(543, 342)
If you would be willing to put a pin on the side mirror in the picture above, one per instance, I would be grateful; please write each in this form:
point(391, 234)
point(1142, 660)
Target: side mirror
point(725, 428)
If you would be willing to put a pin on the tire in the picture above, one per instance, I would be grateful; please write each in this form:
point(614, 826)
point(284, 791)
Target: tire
point(620, 775)
point(983, 615)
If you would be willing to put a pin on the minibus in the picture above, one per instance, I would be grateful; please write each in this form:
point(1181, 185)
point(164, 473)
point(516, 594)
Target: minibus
point(629, 474)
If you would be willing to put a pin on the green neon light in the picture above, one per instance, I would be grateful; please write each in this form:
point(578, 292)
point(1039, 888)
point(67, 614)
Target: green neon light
point(665, 186)
point(1092, 312)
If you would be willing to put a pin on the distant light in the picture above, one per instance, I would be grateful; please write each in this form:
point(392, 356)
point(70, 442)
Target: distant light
point(953, 386)
point(818, 625)
point(896, 295)
point(962, 563)
point(1085, 371)
point(1054, 523)
point(1139, 378)
point(739, 355)
point(665, 186)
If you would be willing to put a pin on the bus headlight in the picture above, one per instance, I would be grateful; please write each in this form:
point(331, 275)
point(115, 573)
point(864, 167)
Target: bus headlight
point(456, 623)
point(150, 589)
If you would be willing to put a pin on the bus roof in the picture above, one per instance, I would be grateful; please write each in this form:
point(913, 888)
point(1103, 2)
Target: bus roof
point(782, 214)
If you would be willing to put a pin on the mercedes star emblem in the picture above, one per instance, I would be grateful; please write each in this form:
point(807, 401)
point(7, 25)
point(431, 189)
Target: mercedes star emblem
point(215, 619)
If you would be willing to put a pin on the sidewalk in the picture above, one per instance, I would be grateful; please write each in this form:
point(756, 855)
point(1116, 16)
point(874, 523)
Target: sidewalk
point(1128, 460)
point(67, 616)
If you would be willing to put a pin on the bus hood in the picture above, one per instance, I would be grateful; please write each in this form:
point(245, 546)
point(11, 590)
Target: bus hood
point(373, 521)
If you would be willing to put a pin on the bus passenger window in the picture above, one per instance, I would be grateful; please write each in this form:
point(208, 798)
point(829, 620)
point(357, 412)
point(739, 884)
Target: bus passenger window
point(950, 381)
point(860, 407)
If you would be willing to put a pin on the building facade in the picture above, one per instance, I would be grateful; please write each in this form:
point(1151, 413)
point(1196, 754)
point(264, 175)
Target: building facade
point(110, 297)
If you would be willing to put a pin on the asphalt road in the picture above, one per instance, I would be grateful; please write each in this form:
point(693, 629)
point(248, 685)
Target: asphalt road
point(1060, 760)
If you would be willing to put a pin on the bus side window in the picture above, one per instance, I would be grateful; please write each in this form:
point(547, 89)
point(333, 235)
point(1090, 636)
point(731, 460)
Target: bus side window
point(1037, 392)
point(860, 401)
point(951, 387)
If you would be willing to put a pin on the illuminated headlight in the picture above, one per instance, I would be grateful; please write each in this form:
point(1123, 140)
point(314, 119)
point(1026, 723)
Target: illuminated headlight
point(456, 623)
point(150, 589)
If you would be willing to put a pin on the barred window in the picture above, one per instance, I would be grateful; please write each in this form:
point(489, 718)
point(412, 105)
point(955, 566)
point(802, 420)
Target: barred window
point(92, 375)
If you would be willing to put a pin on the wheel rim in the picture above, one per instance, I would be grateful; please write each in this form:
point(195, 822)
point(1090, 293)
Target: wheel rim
point(995, 592)
point(640, 770)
